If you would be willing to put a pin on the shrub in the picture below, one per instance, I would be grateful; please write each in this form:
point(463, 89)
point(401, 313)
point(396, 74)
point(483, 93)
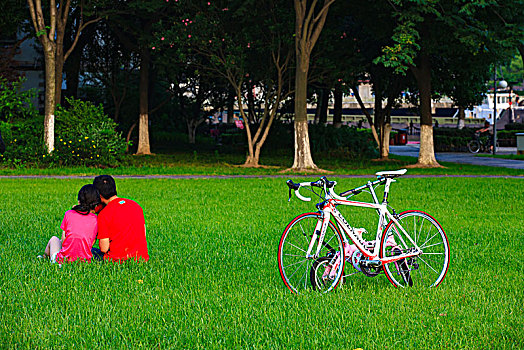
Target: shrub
point(345, 141)
point(86, 135)
point(326, 140)
point(452, 139)
point(507, 138)
point(24, 142)
point(15, 104)
point(514, 126)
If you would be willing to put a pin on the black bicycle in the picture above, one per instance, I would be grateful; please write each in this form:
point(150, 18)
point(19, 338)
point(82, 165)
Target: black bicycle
point(480, 144)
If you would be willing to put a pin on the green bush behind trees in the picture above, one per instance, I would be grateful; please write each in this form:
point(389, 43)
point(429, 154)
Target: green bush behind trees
point(326, 141)
point(85, 135)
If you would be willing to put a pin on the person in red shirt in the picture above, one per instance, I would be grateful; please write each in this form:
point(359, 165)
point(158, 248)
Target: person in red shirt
point(121, 224)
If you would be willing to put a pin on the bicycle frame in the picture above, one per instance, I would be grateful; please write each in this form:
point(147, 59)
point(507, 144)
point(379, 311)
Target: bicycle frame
point(329, 210)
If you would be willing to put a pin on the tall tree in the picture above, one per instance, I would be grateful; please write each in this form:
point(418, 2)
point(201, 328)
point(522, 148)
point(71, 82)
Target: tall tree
point(310, 18)
point(222, 39)
point(109, 66)
point(430, 34)
point(133, 22)
point(50, 29)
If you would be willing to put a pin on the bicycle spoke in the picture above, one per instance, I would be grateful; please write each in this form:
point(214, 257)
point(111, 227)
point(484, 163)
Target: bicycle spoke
point(304, 276)
point(351, 274)
point(433, 253)
point(290, 277)
point(427, 240)
point(327, 242)
point(297, 256)
point(303, 232)
point(432, 245)
point(415, 225)
point(293, 264)
point(291, 244)
point(424, 261)
point(420, 231)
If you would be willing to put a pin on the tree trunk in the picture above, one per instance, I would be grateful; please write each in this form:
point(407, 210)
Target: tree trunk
point(50, 102)
point(303, 159)
point(74, 60)
point(385, 131)
point(128, 138)
point(72, 71)
point(191, 131)
point(318, 107)
point(383, 126)
point(143, 124)
point(422, 74)
point(251, 103)
point(252, 160)
point(324, 107)
point(59, 62)
point(230, 107)
point(308, 26)
point(337, 108)
point(461, 118)
point(250, 157)
point(368, 116)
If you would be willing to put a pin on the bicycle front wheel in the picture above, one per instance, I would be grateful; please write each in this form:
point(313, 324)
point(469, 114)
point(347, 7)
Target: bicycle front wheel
point(427, 269)
point(301, 273)
point(474, 146)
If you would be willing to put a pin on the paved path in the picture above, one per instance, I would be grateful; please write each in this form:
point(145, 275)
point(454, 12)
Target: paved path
point(411, 150)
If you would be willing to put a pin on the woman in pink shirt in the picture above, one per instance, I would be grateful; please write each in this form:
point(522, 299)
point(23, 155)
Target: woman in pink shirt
point(79, 229)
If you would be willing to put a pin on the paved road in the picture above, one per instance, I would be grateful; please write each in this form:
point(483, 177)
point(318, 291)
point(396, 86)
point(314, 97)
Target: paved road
point(411, 150)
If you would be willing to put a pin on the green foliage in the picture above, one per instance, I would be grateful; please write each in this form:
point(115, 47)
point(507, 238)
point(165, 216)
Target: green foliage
point(514, 126)
point(507, 138)
point(24, 142)
point(513, 71)
point(86, 135)
point(344, 141)
point(14, 14)
point(326, 141)
point(401, 54)
point(453, 139)
point(15, 104)
point(21, 126)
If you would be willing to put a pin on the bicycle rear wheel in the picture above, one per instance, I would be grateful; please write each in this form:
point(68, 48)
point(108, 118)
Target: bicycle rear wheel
point(427, 269)
point(474, 146)
point(300, 273)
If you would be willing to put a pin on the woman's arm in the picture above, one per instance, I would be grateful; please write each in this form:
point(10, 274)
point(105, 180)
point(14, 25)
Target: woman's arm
point(63, 236)
point(103, 244)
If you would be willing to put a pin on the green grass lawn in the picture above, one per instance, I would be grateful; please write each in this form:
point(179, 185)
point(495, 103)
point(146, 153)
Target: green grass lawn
point(213, 281)
point(503, 156)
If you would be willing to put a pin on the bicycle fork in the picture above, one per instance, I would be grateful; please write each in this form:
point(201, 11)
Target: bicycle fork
point(320, 233)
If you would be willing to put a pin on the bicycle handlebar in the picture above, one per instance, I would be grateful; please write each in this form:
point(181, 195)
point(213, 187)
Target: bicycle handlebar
point(323, 182)
point(328, 186)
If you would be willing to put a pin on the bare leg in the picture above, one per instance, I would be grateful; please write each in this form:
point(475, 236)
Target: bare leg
point(53, 246)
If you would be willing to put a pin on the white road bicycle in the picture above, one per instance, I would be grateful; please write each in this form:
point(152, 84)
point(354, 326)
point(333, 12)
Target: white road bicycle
point(317, 253)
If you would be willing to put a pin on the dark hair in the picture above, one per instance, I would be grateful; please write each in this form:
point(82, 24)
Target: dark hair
point(105, 184)
point(88, 199)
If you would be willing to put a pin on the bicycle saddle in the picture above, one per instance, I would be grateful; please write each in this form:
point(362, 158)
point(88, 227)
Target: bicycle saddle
point(391, 173)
